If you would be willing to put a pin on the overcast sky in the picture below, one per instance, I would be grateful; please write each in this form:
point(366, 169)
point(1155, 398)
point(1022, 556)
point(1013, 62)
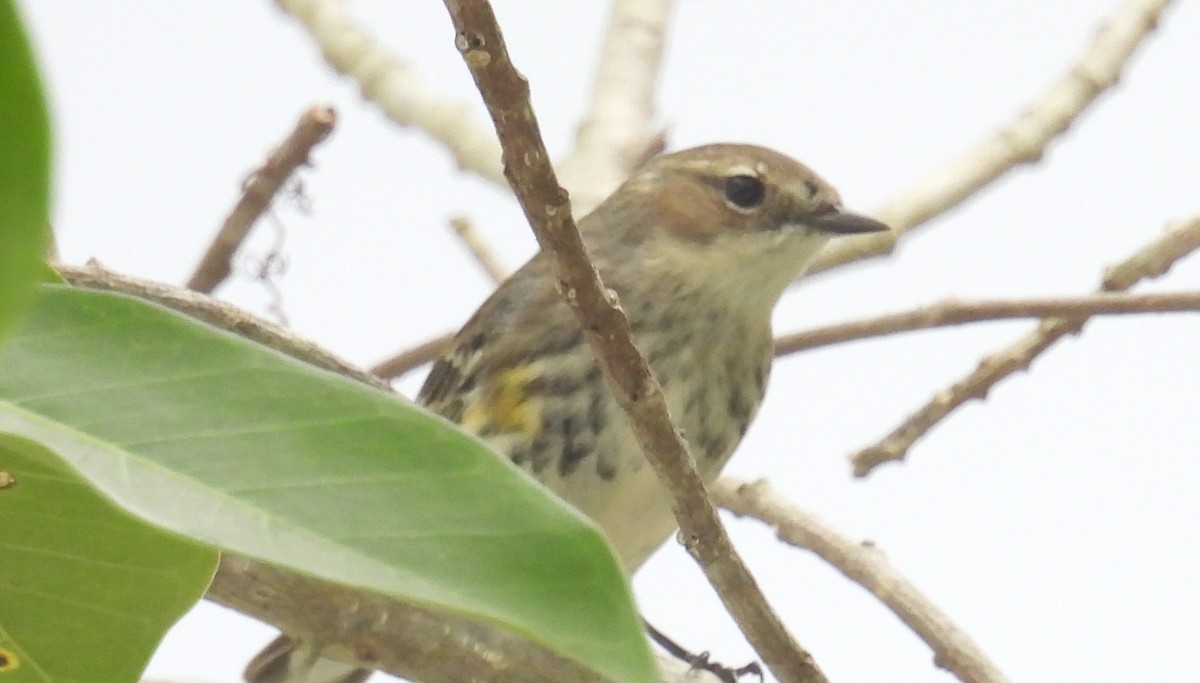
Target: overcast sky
point(1058, 523)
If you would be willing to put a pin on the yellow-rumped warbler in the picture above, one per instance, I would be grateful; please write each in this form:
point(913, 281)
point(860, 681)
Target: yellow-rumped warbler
point(699, 245)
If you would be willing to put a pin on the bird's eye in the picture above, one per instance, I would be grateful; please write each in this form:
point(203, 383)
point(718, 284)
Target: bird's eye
point(745, 191)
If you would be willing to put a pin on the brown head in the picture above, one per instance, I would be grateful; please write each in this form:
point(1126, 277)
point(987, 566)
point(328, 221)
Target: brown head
point(732, 219)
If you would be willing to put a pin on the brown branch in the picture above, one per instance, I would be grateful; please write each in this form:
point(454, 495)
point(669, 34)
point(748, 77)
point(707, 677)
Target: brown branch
point(1151, 261)
point(615, 135)
point(1022, 142)
point(376, 632)
point(218, 314)
point(548, 210)
point(949, 312)
point(479, 249)
point(953, 312)
point(411, 359)
point(257, 192)
point(863, 564)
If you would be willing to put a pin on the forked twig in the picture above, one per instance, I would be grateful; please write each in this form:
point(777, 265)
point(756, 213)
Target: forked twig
point(257, 192)
point(1149, 262)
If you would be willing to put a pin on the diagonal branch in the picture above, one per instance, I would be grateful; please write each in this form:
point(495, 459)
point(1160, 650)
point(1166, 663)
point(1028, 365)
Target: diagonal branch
point(954, 312)
point(1023, 141)
point(257, 192)
point(414, 357)
point(465, 229)
point(216, 313)
point(548, 210)
point(378, 632)
point(863, 564)
point(1150, 262)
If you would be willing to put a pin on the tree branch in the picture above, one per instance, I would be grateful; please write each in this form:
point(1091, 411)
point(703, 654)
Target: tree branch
point(863, 564)
point(218, 314)
point(548, 210)
point(1151, 261)
point(413, 358)
point(615, 135)
point(1022, 142)
point(954, 312)
point(479, 249)
point(376, 632)
point(257, 192)
point(396, 87)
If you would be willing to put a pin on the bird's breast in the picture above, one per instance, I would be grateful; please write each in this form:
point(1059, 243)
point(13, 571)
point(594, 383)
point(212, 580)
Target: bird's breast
point(585, 451)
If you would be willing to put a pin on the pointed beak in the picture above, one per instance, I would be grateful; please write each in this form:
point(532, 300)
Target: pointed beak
point(843, 223)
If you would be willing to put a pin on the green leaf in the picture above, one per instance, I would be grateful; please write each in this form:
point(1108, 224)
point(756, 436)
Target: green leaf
point(86, 590)
point(205, 433)
point(46, 274)
point(24, 169)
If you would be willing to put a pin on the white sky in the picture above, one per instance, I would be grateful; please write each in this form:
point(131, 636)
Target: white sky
point(1057, 523)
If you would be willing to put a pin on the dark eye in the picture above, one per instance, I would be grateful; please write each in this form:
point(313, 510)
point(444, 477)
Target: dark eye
point(744, 191)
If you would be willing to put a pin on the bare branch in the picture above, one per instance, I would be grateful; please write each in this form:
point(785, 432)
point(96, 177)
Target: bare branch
point(218, 314)
point(396, 87)
point(431, 350)
point(411, 359)
point(1151, 261)
point(478, 248)
point(548, 210)
point(376, 632)
point(953, 312)
point(615, 135)
point(945, 313)
point(863, 564)
point(1022, 142)
point(257, 192)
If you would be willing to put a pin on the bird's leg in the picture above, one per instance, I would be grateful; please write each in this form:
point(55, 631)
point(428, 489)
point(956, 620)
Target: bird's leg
point(701, 661)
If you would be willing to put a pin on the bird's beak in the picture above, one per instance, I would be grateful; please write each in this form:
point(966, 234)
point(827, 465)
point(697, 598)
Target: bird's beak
point(843, 223)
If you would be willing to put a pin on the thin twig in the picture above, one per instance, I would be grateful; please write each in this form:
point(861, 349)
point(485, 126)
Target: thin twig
point(615, 135)
point(863, 564)
point(483, 254)
point(257, 192)
point(1151, 261)
point(953, 312)
point(945, 313)
point(411, 359)
point(396, 86)
point(548, 210)
point(1022, 142)
point(429, 351)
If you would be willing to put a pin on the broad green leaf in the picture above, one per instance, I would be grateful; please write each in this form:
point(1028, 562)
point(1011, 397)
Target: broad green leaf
point(207, 434)
point(24, 168)
point(86, 589)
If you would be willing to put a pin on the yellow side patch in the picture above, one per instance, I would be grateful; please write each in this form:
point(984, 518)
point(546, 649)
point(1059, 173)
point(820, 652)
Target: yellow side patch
point(8, 661)
point(504, 406)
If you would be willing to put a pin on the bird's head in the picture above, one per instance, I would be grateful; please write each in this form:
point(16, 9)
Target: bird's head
point(734, 220)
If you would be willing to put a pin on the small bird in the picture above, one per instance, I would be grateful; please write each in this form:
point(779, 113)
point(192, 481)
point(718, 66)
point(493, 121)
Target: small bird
point(698, 245)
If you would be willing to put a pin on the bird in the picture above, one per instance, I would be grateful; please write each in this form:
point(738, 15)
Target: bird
point(698, 245)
